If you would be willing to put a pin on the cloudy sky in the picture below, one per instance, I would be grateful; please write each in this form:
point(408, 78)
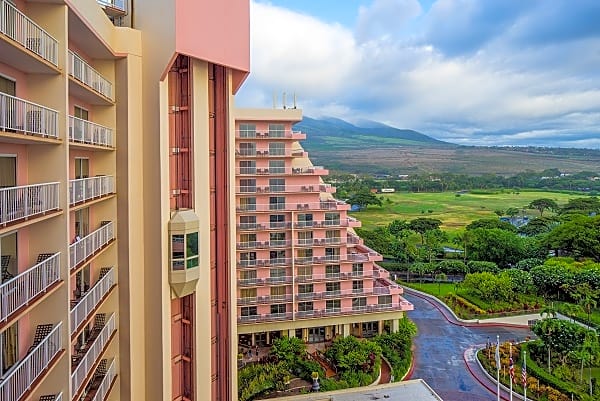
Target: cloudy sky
point(479, 72)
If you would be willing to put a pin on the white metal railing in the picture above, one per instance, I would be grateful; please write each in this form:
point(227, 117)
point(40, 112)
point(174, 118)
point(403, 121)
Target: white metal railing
point(22, 202)
point(91, 299)
point(120, 4)
point(21, 29)
point(18, 291)
point(87, 362)
point(82, 71)
point(88, 245)
point(105, 385)
point(316, 170)
point(22, 116)
point(25, 373)
point(85, 189)
point(286, 134)
point(269, 189)
point(266, 207)
point(91, 133)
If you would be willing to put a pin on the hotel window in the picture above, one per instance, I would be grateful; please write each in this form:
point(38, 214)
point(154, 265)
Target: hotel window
point(305, 220)
point(277, 184)
point(333, 236)
point(248, 204)
point(248, 185)
point(305, 306)
point(332, 219)
point(278, 292)
point(332, 271)
point(81, 113)
point(248, 258)
point(359, 303)
point(248, 240)
point(277, 202)
point(278, 309)
point(305, 288)
point(305, 253)
point(248, 275)
point(8, 86)
point(277, 257)
point(247, 167)
point(277, 239)
point(248, 222)
point(333, 288)
point(276, 130)
point(305, 271)
point(357, 286)
point(249, 311)
point(277, 220)
point(332, 254)
point(333, 305)
point(384, 300)
point(276, 149)
point(247, 130)
point(248, 293)
point(248, 149)
point(305, 238)
point(277, 274)
point(357, 269)
point(276, 167)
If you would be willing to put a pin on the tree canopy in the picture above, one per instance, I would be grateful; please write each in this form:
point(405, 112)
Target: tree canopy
point(543, 204)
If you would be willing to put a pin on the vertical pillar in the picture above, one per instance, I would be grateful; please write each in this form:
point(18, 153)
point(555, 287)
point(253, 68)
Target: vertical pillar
point(268, 337)
point(305, 335)
point(253, 339)
point(291, 333)
point(380, 325)
point(328, 334)
point(395, 325)
point(346, 330)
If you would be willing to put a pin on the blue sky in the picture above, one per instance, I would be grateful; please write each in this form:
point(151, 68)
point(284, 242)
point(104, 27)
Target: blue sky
point(474, 72)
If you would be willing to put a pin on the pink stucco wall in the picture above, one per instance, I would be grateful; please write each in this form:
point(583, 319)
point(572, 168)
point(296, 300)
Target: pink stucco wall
point(215, 31)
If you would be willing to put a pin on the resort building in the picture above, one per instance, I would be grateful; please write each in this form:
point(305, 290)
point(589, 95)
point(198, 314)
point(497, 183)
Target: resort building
point(116, 163)
point(301, 269)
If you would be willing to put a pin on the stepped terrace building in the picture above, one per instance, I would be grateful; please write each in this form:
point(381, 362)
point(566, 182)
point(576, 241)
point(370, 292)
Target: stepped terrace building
point(301, 269)
point(116, 146)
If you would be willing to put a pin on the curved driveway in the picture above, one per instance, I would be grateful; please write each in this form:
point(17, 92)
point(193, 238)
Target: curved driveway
point(440, 346)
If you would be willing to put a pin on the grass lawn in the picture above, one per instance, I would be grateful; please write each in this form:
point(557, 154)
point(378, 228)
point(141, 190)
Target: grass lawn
point(455, 212)
point(439, 290)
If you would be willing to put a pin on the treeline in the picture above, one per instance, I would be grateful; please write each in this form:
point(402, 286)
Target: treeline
point(551, 179)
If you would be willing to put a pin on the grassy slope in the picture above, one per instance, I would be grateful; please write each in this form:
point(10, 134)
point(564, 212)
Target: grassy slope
point(454, 212)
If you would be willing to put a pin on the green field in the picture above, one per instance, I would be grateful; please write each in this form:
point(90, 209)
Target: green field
point(454, 211)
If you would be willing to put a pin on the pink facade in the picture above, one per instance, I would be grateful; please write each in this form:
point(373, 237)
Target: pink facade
point(297, 254)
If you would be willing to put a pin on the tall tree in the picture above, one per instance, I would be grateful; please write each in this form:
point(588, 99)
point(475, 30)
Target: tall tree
point(423, 224)
point(364, 198)
point(543, 204)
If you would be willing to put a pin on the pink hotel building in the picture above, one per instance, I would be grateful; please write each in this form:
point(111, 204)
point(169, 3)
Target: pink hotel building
point(301, 269)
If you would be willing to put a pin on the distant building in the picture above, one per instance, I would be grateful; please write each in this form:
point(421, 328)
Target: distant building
point(387, 190)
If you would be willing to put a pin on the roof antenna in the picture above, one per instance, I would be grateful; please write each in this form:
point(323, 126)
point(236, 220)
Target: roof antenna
point(294, 100)
point(284, 102)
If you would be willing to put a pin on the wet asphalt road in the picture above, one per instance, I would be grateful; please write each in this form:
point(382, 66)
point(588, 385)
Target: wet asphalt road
point(439, 349)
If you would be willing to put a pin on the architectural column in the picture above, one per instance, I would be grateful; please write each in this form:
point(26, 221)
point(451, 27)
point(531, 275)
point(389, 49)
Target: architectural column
point(346, 329)
point(380, 325)
point(291, 333)
point(395, 325)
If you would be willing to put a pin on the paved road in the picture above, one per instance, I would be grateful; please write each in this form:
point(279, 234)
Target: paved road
point(440, 347)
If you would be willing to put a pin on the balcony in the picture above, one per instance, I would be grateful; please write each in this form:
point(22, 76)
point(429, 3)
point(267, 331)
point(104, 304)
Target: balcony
point(90, 300)
point(28, 286)
point(24, 202)
point(89, 133)
point(251, 226)
point(316, 188)
point(101, 384)
point(265, 262)
point(332, 277)
point(23, 376)
point(24, 118)
point(86, 189)
point(86, 358)
point(295, 135)
point(267, 317)
point(90, 244)
point(114, 8)
point(268, 207)
point(252, 153)
point(84, 73)
point(27, 35)
point(265, 299)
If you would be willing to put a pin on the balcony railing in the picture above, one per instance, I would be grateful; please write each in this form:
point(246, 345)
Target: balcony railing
point(267, 317)
point(297, 135)
point(96, 348)
point(82, 71)
point(21, 29)
point(21, 116)
point(91, 299)
point(331, 276)
point(118, 4)
point(21, 377)
point(90, 244)
point(265, 299)
point(264, 262)
point(251, 189)
point(85, 189)
point(267, 207)
point(106, 384)
point(23, 202)
point(87, 132)
point(20, 290)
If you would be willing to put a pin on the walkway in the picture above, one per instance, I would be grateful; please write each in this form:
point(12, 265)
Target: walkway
point(440, 350)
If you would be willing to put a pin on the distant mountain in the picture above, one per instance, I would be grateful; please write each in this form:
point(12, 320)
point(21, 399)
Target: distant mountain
point(330, 133)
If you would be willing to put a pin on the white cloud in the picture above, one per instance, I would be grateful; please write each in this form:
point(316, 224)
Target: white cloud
point(501, 88)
